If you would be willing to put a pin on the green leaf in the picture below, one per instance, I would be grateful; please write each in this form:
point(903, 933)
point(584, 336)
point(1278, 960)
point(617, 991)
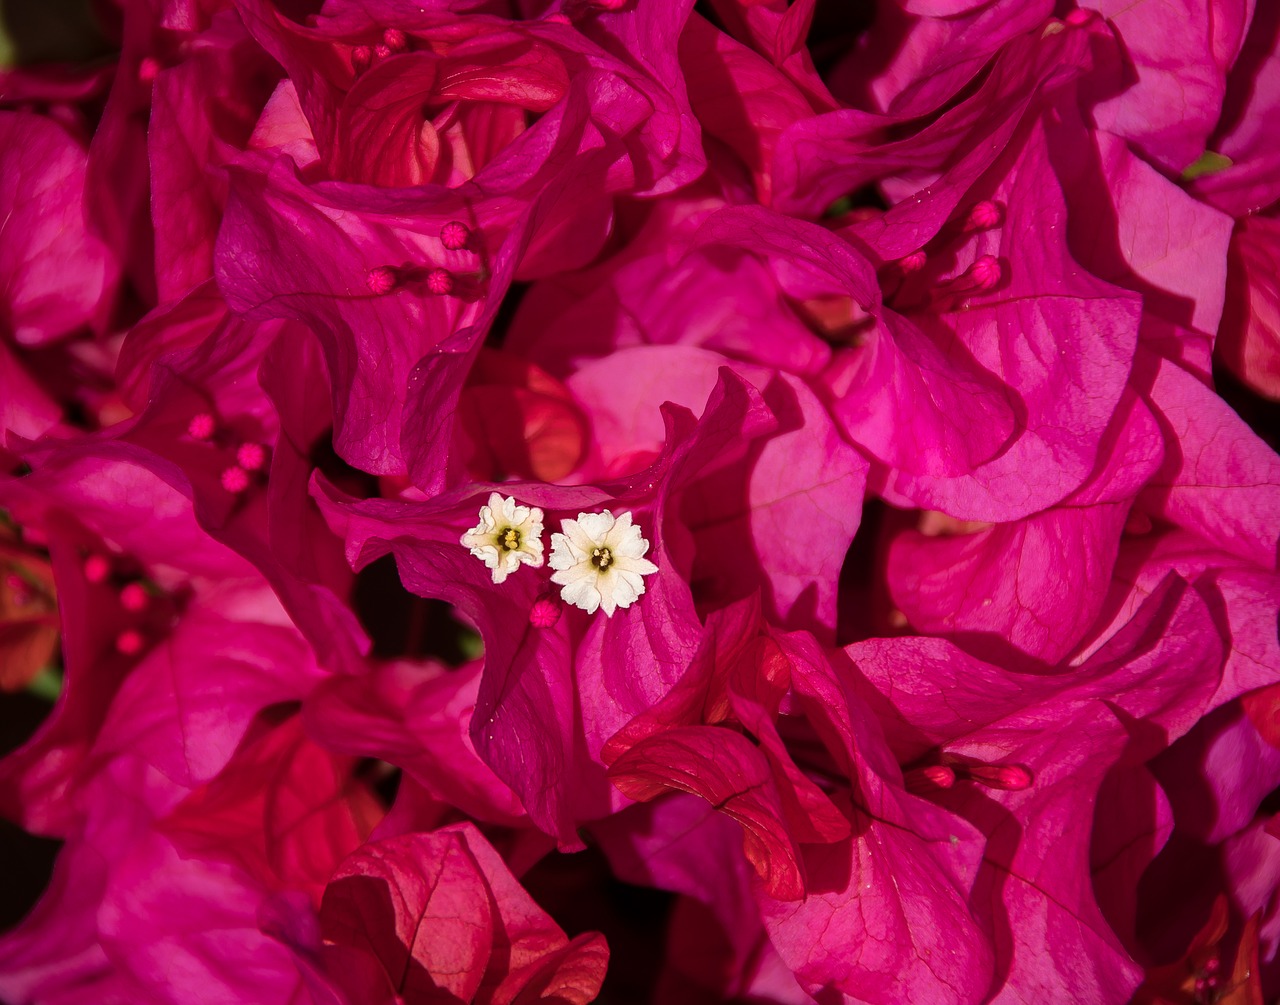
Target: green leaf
point(471, 644)
point(8, 54)
point(1207, 163)
point(47, 684)
point(839, 207)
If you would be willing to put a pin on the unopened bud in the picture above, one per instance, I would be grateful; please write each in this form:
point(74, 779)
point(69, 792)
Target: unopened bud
point(440, 282)
point(1010, 777)
point(984, 215)
point(202, 426)
point(381, 280)
point(545, 612)
point(129, 642)
point(235, 479)
point(251, 456)
point(96, 568)
point(133, 597)
point(454, 235)
point(986, 272)
point(913, 262)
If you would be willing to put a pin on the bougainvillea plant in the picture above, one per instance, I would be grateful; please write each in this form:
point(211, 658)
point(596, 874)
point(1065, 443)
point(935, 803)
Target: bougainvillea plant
point(640, 501)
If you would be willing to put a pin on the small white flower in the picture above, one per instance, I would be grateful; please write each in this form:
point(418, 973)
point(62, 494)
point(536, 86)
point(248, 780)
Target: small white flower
point(506, 536)
point(600, 562)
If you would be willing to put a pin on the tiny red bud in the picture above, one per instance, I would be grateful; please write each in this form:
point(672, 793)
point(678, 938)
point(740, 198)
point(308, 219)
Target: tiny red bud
point(454, 235)
point(440, 282)
point(545, 612)
point(129, 642)
point(251, 456)
point(984, 215)
point(986, 272)
point(1010, 777)
point(913, 262)
point(381, 280)
point(96, 568)
point(202, 426)
point(940, 775)
point(235, 479)
point(133, 597)
point(925, 780)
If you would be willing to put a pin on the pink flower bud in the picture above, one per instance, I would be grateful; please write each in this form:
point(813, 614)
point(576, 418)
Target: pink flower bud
point(381, 280)
point(235, 479)
point(134, 597)
point(454, 235)
point(984, 215)
point(251, 456)
point(924, 780)
point(1010, 777)
point(986, 272)
point(545, 612)
point(97, 568)
point(440, 282)
point(913, 262)
point(202, 426)
point(129, 642)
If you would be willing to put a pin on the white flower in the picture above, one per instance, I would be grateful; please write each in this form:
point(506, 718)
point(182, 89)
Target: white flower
point(600, 562)
point(506, 536)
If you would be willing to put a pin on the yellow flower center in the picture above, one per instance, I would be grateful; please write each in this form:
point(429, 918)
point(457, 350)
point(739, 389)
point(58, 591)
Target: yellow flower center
point(601, 558)
point(509, 539)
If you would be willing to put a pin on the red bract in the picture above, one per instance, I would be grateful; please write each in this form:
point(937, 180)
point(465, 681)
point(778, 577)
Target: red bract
point(899, 888)
point(1059, 734)
point(356, 88)
point(195, 130)
point(937, 48)
point(1249, 339)
point(1037, 584)
point(1168, 114)
point(56, 274)
point(516, 420)
point(435, 917)
point(285, 809)
point(416, 717)
point(736, 681)
point(526, 726)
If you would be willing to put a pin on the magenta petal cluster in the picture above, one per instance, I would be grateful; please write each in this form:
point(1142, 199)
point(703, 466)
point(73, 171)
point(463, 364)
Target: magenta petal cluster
point(640, 501)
